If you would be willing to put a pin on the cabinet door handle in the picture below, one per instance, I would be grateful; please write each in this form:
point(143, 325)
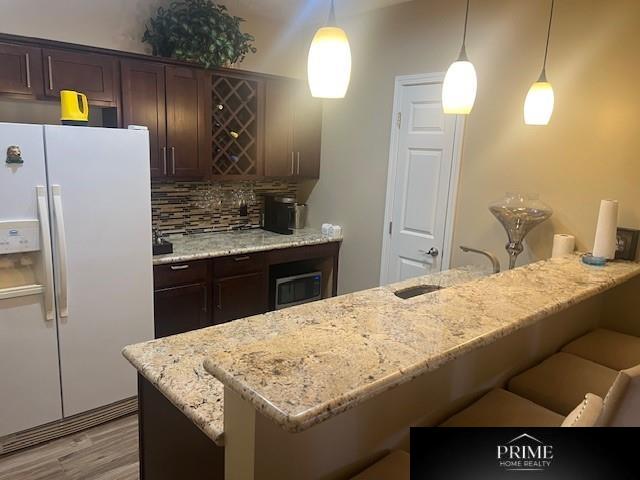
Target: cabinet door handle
point(298, 163)
point(242, 259)
point(179, 267)
point(50, 68)
point(173, 160)
point(164, 160)
point(204, 298)
point(219, 296)
point(292, 161)
point(28, 62)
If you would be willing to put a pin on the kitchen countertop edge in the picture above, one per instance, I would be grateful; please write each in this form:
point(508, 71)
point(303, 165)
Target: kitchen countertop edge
point(302, 238)
point(215, 434)
point(325, 410)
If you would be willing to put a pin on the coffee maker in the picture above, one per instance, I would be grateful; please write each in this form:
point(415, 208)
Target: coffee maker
point(279, 213)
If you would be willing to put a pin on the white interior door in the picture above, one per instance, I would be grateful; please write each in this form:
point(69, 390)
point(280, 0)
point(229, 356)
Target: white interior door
point(101, 209)
point(29, 373)
point(420, 181)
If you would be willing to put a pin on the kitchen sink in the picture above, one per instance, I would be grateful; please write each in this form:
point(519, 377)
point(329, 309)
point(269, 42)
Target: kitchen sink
point(411, 292)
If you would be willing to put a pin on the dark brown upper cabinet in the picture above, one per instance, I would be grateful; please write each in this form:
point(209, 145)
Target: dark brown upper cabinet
point(278, 146)
point(20, 70)
point(95, 75)
point(188, 136)
point(307, 132)
point(222, 123)
point(143, 103)
point(172, 103)
point(237, 118)
point(293, 128)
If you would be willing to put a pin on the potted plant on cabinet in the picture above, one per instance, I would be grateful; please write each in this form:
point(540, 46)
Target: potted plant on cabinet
point(198, 31)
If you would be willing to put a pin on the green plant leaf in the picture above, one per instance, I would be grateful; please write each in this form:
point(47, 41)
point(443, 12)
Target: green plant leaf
point(200, 31)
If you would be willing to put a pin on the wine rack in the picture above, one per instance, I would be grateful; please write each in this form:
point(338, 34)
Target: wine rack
point(236, 125)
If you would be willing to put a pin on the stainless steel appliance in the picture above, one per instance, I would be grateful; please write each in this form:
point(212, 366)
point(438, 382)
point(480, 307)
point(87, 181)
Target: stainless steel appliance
point(298, 289)
point(299, 216)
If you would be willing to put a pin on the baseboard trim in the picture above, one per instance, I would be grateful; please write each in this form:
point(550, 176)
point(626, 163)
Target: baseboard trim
point(67, 426)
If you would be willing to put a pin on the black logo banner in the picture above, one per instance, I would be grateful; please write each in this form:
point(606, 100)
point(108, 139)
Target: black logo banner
point(514, 453)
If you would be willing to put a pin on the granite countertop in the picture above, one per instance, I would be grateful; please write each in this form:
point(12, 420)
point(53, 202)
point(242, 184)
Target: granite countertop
point(174, 365)
point(219, 244)
point(301, 376)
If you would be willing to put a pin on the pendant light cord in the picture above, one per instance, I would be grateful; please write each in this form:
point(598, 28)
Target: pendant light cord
point(463, 50)
point(546, 48)
point(332, 15)
point(466, 18)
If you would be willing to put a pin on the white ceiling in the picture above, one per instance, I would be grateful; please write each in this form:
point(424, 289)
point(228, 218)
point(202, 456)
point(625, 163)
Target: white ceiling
point(310, 10)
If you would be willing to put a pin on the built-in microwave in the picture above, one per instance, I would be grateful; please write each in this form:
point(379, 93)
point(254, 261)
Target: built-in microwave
point(298, 289)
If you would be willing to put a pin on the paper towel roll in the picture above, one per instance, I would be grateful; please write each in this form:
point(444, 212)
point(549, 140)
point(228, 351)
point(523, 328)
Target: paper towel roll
point(605, 242)
point(563, 244)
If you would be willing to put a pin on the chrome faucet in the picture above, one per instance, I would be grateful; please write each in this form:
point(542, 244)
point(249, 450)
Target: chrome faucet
point(494, 260)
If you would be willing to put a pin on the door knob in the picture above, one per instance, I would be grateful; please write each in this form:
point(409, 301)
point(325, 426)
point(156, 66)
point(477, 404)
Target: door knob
point(433, 251)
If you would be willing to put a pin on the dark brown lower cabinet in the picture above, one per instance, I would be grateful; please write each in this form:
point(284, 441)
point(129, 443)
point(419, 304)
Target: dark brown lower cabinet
point(171, 447)
point(240, 296)
point(198, 294)
point(180, 309)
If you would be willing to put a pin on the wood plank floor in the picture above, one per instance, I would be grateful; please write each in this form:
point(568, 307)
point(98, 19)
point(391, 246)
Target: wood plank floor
point(106, 452)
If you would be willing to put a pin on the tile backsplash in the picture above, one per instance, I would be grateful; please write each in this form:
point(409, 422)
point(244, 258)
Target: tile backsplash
point(177, 207)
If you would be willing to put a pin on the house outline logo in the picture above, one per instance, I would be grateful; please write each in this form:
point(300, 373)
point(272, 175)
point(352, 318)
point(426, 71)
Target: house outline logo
point(525, 453)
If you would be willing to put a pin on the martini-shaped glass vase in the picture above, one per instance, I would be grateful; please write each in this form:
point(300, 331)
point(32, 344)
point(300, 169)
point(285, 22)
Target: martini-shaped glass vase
point(519, 214)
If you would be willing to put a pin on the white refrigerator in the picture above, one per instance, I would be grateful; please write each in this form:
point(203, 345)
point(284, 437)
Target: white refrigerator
point(76, 280)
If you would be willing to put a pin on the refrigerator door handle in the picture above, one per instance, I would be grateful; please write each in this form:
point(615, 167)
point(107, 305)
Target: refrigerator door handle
point(45, 233)
point(63, 301)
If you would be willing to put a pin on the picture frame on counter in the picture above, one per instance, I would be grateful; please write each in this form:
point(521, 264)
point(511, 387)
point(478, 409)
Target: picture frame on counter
point(627, 243)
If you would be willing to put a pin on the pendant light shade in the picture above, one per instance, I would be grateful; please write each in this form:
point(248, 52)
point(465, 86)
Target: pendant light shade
point(460, 82)
point(329, 62)
point(538, 105)
point(459, 88)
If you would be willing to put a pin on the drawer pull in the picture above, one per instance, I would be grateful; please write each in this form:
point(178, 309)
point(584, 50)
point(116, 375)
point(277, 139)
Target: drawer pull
point(219, 297)
point(179, 267)
point(242, 259)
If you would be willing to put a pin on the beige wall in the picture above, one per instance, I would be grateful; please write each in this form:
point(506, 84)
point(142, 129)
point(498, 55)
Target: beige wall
point(588, 152)
point(119, 24)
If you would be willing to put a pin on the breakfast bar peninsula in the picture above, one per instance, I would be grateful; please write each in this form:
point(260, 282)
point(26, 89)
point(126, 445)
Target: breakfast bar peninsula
point(324, 389)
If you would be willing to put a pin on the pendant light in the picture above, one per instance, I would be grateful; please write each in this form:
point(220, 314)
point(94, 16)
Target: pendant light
point(461, 82)
point(538, 106)
point(329, 62)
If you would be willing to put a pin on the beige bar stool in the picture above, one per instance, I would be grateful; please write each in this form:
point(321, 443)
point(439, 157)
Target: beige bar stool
point(622, 404)
point(500, 408)
point(394, 466)
point(561, 381)
point(606, 347)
